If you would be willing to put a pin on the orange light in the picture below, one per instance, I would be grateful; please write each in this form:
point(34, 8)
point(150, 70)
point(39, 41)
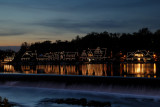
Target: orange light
point(154, 55)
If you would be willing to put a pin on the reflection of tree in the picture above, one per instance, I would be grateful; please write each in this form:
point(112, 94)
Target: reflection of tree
point(80, 72)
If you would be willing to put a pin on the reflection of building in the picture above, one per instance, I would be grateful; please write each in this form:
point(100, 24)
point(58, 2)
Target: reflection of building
point(94, 69)
point(140, 69)
point(140, 56)
point(8, 68)
point(98, 54)
point(85, 69)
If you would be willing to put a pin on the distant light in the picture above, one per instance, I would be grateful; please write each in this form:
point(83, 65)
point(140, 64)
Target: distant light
point(154, 55)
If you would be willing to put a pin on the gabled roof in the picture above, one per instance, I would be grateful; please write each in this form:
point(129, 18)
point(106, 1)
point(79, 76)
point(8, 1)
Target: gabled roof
point(84, 53)
point(90, 52)
point(139, 52)
point(27, 54)
point(148, 56)
point(144, 52)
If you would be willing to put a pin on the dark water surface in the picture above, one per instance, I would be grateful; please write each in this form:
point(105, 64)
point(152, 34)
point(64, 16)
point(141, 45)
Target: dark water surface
point(132, 95)
point(150, 70)
point(31, 97)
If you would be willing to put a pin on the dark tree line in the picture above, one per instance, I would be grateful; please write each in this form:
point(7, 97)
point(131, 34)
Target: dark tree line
point(5, 53)
point(144, 39)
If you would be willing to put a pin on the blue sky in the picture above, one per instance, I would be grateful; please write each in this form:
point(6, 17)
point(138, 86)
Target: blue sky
point(39, 20)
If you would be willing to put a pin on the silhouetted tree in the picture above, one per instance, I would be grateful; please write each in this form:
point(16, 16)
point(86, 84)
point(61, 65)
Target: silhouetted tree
point(115, 42)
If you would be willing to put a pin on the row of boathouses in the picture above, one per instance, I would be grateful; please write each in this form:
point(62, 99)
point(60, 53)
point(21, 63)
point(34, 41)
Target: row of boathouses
point(89, 55)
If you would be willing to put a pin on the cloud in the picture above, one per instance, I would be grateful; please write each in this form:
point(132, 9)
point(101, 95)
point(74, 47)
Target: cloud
point(77, 16)
point(79, 26)
point(11, 33)
point(77, 5)
point(43, 38)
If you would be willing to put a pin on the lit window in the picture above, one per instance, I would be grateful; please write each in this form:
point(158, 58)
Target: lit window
point(138, 55)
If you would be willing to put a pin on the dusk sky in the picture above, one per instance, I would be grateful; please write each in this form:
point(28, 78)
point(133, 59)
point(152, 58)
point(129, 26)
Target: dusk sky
point(40, 20)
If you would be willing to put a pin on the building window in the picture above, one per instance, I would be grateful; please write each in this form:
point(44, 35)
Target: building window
point(138, 55)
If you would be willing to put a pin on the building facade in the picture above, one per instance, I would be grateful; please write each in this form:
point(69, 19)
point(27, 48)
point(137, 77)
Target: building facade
point(29, 56)
point(52, 56)
point(98, 54)
point(140, 56)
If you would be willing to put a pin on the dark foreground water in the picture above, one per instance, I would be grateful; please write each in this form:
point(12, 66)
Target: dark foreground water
point(32, 97)
point(32, 94)
point(123, 70)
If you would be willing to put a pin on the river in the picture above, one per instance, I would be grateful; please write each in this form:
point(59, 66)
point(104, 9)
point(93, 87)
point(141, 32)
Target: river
point(149, 70)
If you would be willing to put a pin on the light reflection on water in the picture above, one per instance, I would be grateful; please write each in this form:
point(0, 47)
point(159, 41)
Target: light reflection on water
point(140, 70)
point(125, 70)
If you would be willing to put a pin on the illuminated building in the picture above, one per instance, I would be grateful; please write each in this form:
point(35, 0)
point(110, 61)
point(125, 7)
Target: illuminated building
point(83, 56)
point(29, 56)
point(71, 56)
point(8, 59)
point(98, 54)
point(140, 56)
point(52, 56)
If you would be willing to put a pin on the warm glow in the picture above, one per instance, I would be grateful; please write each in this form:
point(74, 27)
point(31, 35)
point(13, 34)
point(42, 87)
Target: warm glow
point(141, 70)
point(154, 56)
point(9, 68)
point(136, 70)
point(154, 68)
point(138, 55)
point(90, 55)
point(125, 68)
